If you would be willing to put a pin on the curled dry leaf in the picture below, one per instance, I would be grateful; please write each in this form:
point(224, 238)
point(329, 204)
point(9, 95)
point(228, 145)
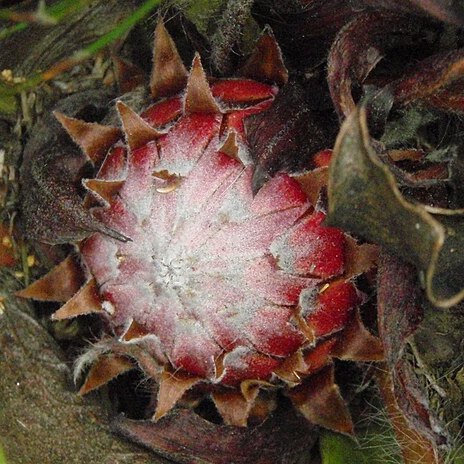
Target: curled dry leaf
point(357, 49)
point(436, 81)
point(364, 199)
point(415, 447)
point(360, 45)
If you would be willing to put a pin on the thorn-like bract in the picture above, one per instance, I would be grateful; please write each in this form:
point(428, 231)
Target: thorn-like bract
point(60, 284)
point(138, 132)
point(230, 146)
point(105, 189)
point(128, 75)
point(135, 330)
point(171, 389)
point(85, 301)
point(168, 76)
point(320, 401)
point(233, 407)
point(356, 343)
point(198, 97)
point(265, 62)
point(94, 139)
point(105, 369)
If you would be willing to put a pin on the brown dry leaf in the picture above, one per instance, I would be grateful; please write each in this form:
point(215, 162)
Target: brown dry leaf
point(433, 81)
point(358, 48)
point(7, 257)
point(187, 438)
point(415, 447)
point(450, 11)
point(318, 398)
point(364, 199)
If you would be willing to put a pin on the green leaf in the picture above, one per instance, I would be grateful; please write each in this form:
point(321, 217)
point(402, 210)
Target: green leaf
point(2, 456)
point(364, 199)
point(7, 107)
point(405, 129)
point(201, 13)
point(340, 449)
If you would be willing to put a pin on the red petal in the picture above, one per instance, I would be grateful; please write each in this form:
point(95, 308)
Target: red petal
point(272, 333)
point(280, 193)
point(319, 356)
point(185, 143)
point(242, 90)
point(235, 119)
point(163, 112)
point(333, 308)
point(310, 248)
point(243, 364)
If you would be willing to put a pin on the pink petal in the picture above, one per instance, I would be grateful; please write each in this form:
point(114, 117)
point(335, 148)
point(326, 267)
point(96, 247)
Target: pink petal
point(194, 350)
point(333, 308)
point(272, 333)
point(244, 363)
point(185, 143)
point(310, 248)
point(262, 277)
point(114, 166)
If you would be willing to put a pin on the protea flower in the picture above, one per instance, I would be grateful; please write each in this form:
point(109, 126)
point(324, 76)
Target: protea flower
point(206, 286)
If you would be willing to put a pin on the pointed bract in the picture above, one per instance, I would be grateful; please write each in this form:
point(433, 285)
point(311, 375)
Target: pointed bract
point(104, 189)
point(171, 389)
point(94, 139)
point(289, 371)
point(134, 331)
point(359, 259)
point(59, 284)
point(198, 97)
point(85, 301)
point(230, 146)
point(356, 343)
point(128, 75)
point(233, 407)
point(313, 182)
point(105, 369)
point(265, 62)
point(168, 75)
point(319, 400)
point(138, 132)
